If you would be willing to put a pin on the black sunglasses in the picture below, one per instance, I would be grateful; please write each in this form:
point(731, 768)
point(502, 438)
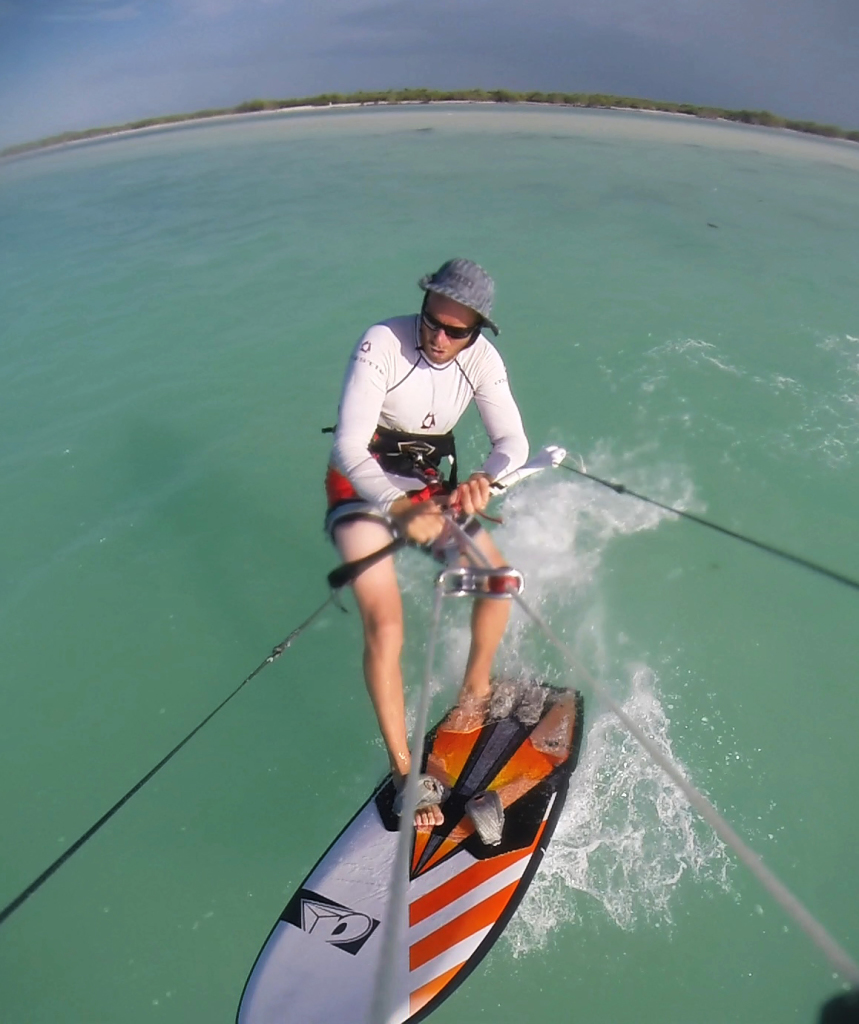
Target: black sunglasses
point(454, 333)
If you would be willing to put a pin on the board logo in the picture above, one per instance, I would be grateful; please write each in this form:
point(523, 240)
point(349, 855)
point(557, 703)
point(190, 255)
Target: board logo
point(332, 922)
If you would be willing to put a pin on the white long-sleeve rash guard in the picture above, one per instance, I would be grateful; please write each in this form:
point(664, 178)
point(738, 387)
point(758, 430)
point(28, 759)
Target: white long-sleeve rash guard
point(390, 383)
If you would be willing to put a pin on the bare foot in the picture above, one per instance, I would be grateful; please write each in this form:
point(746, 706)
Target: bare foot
point(428, 817)
point(469, 713)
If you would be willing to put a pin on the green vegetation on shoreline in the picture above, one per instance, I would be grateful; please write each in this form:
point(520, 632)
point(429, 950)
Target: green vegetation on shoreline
point(395, 96)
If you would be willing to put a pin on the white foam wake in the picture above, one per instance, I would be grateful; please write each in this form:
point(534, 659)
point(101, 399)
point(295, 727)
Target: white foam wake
point(805, 394)
point(627, 836)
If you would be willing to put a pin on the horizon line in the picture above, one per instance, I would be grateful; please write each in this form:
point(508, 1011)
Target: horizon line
point(394, 97)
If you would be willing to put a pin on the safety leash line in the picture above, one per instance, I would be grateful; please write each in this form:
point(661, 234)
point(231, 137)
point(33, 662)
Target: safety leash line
point(52, 868)
point(838, 957)
point(761, 545)
point(337, 579)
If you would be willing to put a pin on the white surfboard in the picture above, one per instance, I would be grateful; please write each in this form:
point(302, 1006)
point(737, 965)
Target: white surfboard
point(320, 962)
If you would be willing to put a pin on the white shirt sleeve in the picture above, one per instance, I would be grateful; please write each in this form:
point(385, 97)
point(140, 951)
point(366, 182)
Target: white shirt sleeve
point(364, 391)
point(500, 416)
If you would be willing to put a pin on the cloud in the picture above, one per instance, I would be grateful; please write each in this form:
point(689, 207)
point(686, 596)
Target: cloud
point(666, 21)
point(96, 10)
point(669, 21)
point(544, 46)
point(798, 61)
point(106, 61)
point(209, 8)
point(213, 9)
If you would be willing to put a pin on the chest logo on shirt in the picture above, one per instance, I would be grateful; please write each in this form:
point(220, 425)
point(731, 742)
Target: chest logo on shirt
point(429, 421)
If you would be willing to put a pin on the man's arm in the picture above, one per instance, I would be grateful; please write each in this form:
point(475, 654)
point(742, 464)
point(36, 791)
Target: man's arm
point(503, 423)
point(364, 391)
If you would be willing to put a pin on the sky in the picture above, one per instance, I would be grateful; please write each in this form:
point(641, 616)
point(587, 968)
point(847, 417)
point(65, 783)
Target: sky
point(74, 64)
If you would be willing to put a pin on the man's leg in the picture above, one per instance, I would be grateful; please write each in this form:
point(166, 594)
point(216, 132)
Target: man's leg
point(377, 594)
point(489, 617)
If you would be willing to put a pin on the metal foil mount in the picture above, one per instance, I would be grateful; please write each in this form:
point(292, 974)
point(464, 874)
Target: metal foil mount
point(471, 581)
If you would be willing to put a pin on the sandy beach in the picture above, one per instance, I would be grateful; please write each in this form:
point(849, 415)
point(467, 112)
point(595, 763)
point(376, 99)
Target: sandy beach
point(671, 127)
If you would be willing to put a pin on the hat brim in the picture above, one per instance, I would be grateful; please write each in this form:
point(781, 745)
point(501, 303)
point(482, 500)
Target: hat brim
point(426, 284)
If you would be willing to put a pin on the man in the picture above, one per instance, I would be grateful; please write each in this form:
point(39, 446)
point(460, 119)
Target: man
point(408, 382)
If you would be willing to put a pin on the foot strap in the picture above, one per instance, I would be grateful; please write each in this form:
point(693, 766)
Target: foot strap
point(487, 815)
point(430, 793)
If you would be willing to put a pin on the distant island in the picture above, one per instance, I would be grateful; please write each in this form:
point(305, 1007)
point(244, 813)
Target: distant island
point(394, 96)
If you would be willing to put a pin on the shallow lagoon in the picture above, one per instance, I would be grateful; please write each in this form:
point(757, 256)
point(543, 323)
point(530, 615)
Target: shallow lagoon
point(677, 302)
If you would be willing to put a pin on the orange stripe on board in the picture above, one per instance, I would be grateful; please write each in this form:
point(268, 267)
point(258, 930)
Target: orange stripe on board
point(448, 845)
point(450, 751)
point(436, 899)
point(482, 916)
point(421, 839)
point(526, 763)
point(421, 996)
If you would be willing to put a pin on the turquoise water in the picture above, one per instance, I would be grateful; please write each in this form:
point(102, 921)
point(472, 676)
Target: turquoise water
point(178, 307)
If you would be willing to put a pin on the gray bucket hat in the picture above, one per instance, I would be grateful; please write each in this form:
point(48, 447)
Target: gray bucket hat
point(464, 282)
